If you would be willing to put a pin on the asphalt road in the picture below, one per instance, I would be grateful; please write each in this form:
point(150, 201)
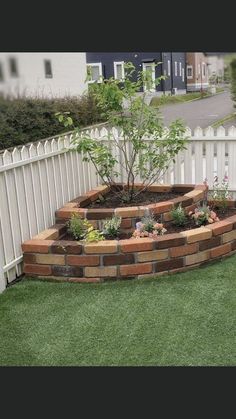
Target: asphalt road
point(202, 112)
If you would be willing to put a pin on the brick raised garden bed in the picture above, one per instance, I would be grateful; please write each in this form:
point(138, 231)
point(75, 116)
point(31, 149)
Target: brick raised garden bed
point(48, 255)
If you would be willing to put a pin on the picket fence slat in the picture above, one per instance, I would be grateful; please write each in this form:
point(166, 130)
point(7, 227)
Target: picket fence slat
point(37, 179)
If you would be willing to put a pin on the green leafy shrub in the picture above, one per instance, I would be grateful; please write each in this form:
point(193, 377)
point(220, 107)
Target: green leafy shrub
point(78, 227)
point(179, 216)
point(25, 120)
point(94, 236)
point(111, 226)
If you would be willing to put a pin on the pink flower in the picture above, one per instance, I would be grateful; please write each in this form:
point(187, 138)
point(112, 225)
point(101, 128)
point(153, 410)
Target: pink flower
point(190, 213)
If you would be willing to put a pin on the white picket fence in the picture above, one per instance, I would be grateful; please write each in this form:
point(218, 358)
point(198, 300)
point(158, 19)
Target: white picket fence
point(37, 179)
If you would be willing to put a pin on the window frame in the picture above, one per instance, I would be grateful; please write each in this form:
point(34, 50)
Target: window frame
point(1, 73)
point(203, 69)
point(188, 68)
point(99, 65)
point(115, 70)
point(180, 69)
point(48, 76)
point(168, 67)
point(176, 68)
point(16, 72)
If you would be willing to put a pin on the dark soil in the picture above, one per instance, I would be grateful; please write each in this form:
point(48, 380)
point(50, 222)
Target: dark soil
point(111, 200)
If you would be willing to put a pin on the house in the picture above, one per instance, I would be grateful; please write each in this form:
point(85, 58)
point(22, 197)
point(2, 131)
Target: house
point(111, 64)
point(42, 74)
point(197, 71)
point(216, 66)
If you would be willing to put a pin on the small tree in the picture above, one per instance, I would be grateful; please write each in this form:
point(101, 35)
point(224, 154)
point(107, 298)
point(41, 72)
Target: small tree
point(146, 147)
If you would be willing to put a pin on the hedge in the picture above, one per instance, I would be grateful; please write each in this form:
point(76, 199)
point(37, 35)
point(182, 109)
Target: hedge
point(25, 120)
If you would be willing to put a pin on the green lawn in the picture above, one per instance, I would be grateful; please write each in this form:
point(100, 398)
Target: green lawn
point(168, 99)
point(184, 319)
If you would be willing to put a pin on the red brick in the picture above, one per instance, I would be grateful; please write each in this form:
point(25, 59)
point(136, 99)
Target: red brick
point(37, 269)
point(127, 212)
point(136, 245)
point(67, 270)
point(101, 272)
point(183, 200)
point(169, 240)
point(220, 250)
point(61, 228)
point(220, 227)
point(126, 223)
point(118, 259)
point(99, 214)
point(66, 213)
point(29, 258)
point(208, 244)
point(183, 250)
point(233, 245)
point(167, 265)
point(140, 268)
point(37, 246)
point(160, 207)
point(82, 260)
point(64, 246)
point(92, 195)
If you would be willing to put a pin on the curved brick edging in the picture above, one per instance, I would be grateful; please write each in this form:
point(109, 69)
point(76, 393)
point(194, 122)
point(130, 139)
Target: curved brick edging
point(46, 256)
point(130, 215)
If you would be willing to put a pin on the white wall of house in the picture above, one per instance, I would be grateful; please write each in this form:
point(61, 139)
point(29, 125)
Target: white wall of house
point(68, 74)
point(216, 65)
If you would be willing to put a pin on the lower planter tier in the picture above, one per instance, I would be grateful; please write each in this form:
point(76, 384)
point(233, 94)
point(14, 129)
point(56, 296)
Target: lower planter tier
point(49, 257)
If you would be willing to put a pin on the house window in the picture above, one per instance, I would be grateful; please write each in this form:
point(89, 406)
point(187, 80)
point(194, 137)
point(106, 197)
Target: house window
point(48, 69)
point(199, 69)
point(204, 69)
point(189, 71)
point(183, 74)
point(168, 66)
point(180, 69)
point(1, 73)
point(13, 67)
point(94, 71)
point(176, 68)
point(119, 72)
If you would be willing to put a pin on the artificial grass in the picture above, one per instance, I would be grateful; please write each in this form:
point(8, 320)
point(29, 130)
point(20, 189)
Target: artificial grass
point(185, 319)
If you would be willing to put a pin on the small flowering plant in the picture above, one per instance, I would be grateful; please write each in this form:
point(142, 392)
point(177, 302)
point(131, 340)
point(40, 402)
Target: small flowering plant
point(148, 227)
point(220, 193)
point(203, 215)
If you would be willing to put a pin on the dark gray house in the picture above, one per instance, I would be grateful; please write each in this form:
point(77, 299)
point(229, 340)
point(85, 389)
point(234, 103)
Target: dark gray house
point(111, 64)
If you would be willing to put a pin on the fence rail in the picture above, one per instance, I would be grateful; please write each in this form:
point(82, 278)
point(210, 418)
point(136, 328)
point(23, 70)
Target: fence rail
point(37, 179)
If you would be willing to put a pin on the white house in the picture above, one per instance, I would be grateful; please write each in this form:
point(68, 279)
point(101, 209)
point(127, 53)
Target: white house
point(216, 65)
point(38, 74)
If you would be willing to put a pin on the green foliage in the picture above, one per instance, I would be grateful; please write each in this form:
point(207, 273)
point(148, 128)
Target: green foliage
point(148, 222)
point(129, 112)
point(220, 193)
point(78, 227)
point(111, 226)
point(179, 216)
point(25, 120)
point(93, 235)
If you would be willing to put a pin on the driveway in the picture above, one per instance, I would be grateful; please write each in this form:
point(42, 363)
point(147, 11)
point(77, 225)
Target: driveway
point(202, 112)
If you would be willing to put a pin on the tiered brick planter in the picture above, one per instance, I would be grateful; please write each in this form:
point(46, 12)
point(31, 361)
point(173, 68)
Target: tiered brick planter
point(48, 255)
